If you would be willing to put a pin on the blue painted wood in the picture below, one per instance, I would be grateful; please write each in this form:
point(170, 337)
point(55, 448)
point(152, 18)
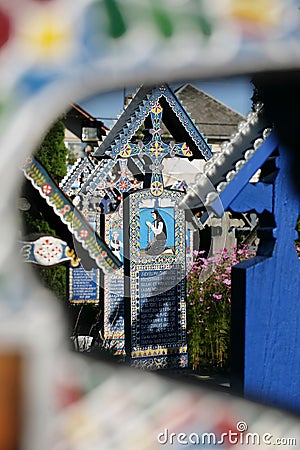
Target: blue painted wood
point(269, 286)
point(256, 196)
point(233, 189)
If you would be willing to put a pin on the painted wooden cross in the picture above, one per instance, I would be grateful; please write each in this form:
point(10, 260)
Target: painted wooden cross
point(156, 149)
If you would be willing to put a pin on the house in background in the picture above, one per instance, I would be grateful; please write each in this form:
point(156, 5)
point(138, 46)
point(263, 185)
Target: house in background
point(216, 121)
point(82, 130)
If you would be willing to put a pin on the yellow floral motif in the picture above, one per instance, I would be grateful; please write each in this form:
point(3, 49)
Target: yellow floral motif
point(92, 244)
point(186, 151)
point(157, 109)
point(57, 201)
point(69, 217)
point(46, 33)
point(156, 188)
point(260, 12)
point(157, 149)
point(35, 174)
point(126, 151)
point(76, 223)
point(71, 254)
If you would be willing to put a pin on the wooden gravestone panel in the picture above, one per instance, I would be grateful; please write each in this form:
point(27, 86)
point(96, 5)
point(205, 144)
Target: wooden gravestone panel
point(158, 313)
point(155, 284)
point(84, 285)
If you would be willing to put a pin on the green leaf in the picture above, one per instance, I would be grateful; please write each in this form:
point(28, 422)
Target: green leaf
point(162, 19)
point(116, 23)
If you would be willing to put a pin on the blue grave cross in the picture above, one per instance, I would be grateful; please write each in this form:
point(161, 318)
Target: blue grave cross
point(156, 149)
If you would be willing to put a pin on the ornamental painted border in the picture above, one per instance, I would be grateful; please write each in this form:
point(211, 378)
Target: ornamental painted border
point(179, 224)
point(70, 216)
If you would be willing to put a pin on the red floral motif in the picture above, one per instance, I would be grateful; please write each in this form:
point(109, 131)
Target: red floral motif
point(27, 160)
point(83, 233)
point(5, 28)
point(65, 209)
point(102, 255)
point(123, 185)
point(47, 189)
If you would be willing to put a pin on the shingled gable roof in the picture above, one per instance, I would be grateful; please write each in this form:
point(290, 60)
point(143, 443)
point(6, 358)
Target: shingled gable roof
point(226, 173)
point(175, 118)
point(214, 119)
point(70, 216)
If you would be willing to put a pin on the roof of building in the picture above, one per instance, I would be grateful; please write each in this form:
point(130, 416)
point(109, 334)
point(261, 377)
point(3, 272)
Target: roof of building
point(76, 117)
point(214, 119)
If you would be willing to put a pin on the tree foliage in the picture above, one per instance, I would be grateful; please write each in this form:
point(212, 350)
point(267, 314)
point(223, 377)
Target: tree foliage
point(53, 152)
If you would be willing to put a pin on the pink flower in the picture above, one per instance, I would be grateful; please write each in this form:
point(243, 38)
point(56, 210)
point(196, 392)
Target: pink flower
point(227, 282)
point(203, 260)
point(201, 299)
point(217, 296)
point(217, 277)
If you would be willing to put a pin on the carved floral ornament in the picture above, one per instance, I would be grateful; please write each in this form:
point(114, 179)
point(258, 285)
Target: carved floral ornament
point(48, 251)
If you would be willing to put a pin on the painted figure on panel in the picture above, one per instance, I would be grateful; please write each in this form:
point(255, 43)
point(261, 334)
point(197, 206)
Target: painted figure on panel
point(158, 243)
point(156, 231)
point(116, 244)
